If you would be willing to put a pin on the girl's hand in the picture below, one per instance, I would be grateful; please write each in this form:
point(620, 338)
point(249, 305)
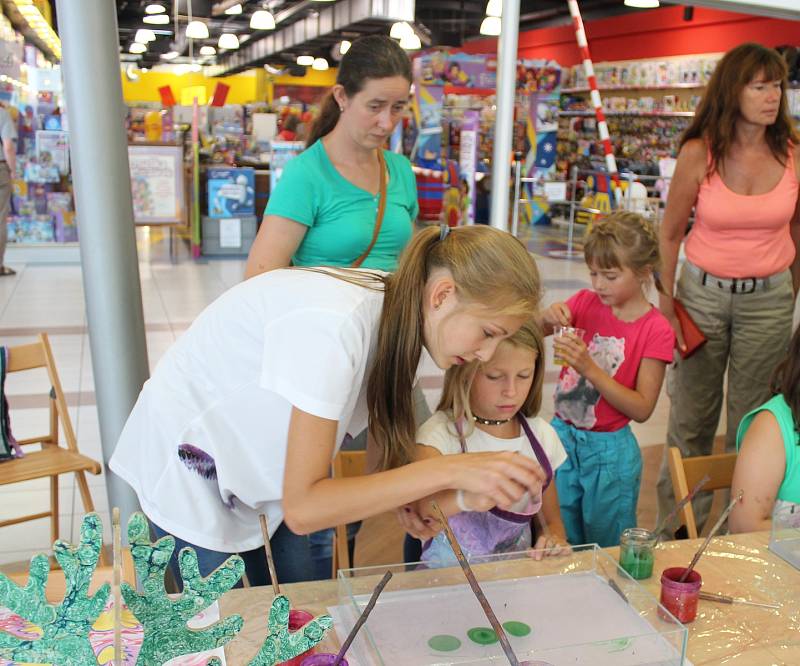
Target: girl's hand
point(549, 546)
point(574, 351)
point(501, 478)
point(419, 527)
point(558, 314)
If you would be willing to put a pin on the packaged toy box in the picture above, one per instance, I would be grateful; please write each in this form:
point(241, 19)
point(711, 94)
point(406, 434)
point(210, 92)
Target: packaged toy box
point(231, 192)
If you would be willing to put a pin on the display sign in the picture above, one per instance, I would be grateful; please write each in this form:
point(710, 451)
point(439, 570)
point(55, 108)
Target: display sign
point(281, 153)
point(157, 184)
point(468, 157)
point(52, 149)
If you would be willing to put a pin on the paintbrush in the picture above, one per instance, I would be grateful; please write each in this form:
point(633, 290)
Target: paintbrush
point(725, 599)
point(473, 583)
point(268, 550)
point(711, 534)
point(681, 504)
point(362, 618)
point(116, 555)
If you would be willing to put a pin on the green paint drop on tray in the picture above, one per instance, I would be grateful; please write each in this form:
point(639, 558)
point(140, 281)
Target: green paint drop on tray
point(482, 635)
point(518, 629)
point(444, 643)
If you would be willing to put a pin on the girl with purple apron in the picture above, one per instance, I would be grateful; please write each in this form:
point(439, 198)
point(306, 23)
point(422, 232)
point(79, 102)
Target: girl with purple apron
point(494, 531)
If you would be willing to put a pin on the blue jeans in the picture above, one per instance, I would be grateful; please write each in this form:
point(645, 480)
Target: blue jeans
point(291, 552)
point(598, 484)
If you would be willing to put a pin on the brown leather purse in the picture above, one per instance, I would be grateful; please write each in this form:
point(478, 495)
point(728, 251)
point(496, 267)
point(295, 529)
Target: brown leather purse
point(381, 210)
point(693, 337)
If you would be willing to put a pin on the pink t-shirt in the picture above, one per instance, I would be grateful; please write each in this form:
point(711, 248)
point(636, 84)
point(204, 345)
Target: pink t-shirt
point(618, 347)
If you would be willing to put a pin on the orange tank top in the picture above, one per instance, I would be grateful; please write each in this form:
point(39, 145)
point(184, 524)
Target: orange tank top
point(740, 236)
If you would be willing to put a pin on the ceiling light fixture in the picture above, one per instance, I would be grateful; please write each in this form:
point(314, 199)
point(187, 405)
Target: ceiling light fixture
point(344, 47)
point(156, 19)
point(400, 30)
point(305, 60)
point(411, 42)
point(494, 8)
point(137, 47)
point(491, 26)
point(207, 51)
point(642, 4)
point(154, 9)
point(143, 36)
point(262, 20)
point(170, 55)
point(234, 9)
point(320, 64)
point(197, 30)
point(228, 41)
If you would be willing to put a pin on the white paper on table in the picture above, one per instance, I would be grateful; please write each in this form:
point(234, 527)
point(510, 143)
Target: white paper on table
point(203, 619)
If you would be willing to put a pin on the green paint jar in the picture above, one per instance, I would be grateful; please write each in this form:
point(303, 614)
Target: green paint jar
point(636, 556)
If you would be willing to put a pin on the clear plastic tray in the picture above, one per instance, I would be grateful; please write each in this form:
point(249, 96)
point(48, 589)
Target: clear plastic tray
point(784, 538)
point(581, 608)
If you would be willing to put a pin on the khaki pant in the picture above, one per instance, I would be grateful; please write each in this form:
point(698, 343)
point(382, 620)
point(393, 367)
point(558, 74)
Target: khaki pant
point(748, 334)
point(5, 207)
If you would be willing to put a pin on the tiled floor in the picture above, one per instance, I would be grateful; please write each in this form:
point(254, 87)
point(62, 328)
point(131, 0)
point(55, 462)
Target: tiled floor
point(50, 298)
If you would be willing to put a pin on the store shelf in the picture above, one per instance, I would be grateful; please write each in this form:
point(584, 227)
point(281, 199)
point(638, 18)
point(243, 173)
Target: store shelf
point(674, 86)
point(654, 114)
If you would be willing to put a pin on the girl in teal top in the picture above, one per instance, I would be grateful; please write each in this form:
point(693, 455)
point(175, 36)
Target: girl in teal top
point(768, 465)
point(324, 207)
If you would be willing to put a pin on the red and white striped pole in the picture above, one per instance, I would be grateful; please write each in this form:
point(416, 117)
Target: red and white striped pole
point(588, 68)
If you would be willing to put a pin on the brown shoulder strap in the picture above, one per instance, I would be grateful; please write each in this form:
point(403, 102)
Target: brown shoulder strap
point(381, 210)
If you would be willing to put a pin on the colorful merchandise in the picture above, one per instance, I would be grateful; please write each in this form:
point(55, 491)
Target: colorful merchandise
point(231, 192)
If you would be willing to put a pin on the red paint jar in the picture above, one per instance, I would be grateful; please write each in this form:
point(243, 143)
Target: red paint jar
point(297, 620)
point(681, 599)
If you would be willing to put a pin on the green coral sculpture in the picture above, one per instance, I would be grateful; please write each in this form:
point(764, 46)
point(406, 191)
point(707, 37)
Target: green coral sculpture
point(166, 634)
point(282, 645)
point(65, 627)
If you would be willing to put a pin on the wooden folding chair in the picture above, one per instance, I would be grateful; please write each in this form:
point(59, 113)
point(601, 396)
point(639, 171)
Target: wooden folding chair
point(686, 473)
point(346, 464)
point(52, 459)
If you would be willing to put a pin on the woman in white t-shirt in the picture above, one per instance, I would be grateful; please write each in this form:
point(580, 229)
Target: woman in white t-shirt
point(492, 406)
point(245, 412)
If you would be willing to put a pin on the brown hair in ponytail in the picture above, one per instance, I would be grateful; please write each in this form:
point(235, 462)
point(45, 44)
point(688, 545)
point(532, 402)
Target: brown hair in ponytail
point(372, 57)
point(489, 267)
point(624, 239)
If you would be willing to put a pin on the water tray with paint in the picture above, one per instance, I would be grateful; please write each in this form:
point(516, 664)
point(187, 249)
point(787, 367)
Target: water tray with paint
point(784, 538)
point(580, 608)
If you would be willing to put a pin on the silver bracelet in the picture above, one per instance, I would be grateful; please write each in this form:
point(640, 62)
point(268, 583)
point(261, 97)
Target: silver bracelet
point(460, 503)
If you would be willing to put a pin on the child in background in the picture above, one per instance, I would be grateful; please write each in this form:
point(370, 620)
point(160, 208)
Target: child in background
point(487, 408)
point(768, 465)
point(612, 375)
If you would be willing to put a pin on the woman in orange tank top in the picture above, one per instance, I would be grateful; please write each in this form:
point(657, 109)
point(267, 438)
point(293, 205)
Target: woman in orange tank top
point(739, 168)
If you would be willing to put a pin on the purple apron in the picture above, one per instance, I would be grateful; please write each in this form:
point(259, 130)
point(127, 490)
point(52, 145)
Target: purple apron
point(493, 531)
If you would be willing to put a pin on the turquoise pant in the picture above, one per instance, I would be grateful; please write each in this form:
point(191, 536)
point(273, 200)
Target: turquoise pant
point(598, 484)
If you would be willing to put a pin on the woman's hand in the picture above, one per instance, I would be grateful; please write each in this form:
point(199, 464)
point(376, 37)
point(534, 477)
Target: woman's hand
point(500, 478)
point(549, 546)
point(558, 314)
point(667, 306)
point(574, 351)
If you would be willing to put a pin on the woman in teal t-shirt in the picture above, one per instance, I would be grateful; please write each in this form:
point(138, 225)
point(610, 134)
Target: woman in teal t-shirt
point(324, 208)
point(768, 465)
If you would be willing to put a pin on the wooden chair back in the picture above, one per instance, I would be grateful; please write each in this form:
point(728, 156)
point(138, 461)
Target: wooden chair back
point(346, 464)
point(686, 473)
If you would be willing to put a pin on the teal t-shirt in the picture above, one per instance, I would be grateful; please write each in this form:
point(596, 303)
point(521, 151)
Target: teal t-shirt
point(790, 488)
point(340, 216)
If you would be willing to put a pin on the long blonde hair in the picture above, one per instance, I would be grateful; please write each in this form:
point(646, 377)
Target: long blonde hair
point(489, 267)
point(458, 379)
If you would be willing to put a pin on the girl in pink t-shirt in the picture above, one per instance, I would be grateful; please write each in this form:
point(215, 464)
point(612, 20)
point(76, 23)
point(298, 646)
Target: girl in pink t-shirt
point(612, 374)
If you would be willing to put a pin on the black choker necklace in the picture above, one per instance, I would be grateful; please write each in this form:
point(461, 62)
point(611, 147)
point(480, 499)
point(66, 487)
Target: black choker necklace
point(490, 422)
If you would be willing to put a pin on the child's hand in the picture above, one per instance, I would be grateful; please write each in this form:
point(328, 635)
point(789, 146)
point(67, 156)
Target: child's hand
point(418, 526)
point(549, 546)
point(558, 314)
point(574, 351)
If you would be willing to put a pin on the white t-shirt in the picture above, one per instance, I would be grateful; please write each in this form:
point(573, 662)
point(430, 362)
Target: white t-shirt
point(439, 432)
point(227, 386)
